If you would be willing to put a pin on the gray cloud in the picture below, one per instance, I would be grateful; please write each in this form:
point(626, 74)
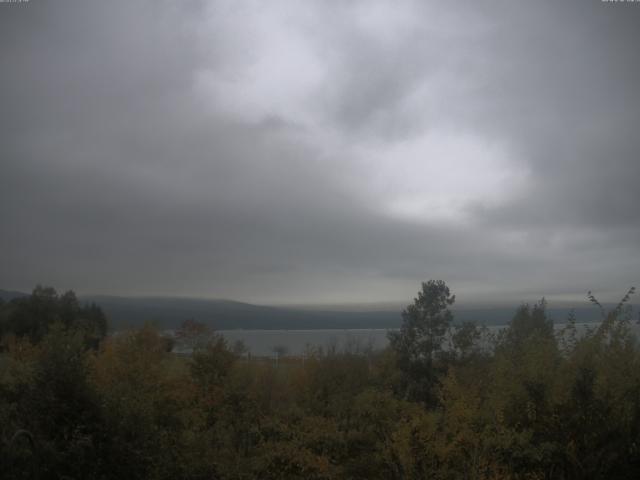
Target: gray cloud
point(320, 152)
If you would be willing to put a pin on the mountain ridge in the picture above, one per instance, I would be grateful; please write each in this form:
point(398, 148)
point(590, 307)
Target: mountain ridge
point(222, 314)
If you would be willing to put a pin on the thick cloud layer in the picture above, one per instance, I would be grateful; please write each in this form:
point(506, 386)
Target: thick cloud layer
point(320, 151)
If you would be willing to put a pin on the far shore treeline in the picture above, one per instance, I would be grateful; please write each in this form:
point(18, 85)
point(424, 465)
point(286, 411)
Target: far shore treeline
point(169, 313)
point(527, 402)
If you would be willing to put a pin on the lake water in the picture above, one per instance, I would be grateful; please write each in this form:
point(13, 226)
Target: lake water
point(298, 342)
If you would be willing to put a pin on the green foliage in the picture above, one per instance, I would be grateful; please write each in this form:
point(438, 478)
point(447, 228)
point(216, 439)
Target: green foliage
point(528, 322)
point(466, 340)
point(52, 401)
point(212, 362)
point(418, 344)
point(532, 405)
point(34, 316)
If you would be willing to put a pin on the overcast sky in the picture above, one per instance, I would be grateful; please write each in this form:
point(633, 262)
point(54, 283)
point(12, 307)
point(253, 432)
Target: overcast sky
point(320, 151)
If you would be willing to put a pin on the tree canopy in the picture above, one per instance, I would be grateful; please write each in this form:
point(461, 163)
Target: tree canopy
point(443, 401)
point(34, 315)
point(419, 341)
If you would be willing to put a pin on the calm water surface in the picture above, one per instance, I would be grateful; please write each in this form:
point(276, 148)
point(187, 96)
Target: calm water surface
point(298, 342)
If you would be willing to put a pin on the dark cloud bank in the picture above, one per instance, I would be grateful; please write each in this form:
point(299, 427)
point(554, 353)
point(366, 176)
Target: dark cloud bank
point(291, 152)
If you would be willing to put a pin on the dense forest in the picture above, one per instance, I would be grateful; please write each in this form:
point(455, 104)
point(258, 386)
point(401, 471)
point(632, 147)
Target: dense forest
point(445, 400)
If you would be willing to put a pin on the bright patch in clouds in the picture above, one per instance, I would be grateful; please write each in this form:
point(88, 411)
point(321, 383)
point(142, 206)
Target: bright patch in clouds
point(279, 71)
point(442, 176)
point(274, 72)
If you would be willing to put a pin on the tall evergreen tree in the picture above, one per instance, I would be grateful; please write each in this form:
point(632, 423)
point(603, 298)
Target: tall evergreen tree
point(418, 344)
